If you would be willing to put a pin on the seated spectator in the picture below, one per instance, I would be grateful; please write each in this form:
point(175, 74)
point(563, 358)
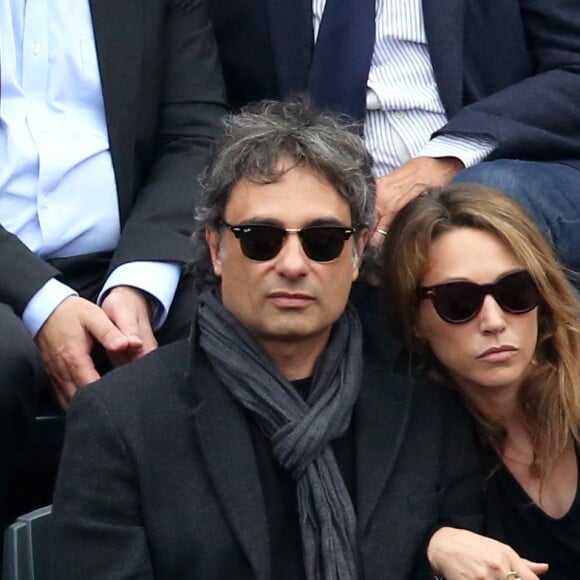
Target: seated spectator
point(106, 115)
point(269, 444)
point(474, 290)
point(475, 91)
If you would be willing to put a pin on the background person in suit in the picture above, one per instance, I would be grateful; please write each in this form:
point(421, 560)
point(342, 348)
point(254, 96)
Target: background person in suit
point(279, 447)
point(441, 86)
point(107, 111)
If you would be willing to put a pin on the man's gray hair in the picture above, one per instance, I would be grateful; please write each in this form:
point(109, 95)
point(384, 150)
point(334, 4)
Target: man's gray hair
point(257, 138)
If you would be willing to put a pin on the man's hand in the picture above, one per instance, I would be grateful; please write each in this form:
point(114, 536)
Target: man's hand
point(407, 182)
point(65, 342)
point(462, 555)
point(128, 309)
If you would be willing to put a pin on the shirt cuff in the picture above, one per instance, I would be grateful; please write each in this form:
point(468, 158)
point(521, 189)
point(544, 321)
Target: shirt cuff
point(158, 279)
point(469, 150)
point(44, 303)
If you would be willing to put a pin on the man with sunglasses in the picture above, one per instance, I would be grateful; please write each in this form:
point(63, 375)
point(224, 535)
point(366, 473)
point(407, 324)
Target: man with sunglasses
point(270, 444)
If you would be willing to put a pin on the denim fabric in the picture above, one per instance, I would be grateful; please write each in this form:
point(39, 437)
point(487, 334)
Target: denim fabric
point(550, 192)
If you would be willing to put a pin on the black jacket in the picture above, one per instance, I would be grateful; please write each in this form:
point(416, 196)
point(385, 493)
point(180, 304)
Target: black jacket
point(158, 477)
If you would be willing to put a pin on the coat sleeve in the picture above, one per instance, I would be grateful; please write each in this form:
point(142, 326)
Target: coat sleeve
point(537, 117)
point(192, 103)
point(460, 501)
point(22, 273)
point(98, 527)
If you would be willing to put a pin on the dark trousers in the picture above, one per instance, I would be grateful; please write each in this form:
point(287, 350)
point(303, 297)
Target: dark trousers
point(23, 383)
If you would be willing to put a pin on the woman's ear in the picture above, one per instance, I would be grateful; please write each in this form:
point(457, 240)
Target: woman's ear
point(416, 332)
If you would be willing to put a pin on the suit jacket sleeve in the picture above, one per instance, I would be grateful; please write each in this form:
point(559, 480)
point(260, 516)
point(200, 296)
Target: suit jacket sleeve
point(536, 116)
point(96, 502)
point(21, 272)
point(160, 222)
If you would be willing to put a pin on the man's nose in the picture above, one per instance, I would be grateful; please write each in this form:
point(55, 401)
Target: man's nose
point(291, 260)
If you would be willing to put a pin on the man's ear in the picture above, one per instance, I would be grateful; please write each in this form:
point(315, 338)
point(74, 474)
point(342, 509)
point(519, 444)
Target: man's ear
point(212, 238)
point(360, 243)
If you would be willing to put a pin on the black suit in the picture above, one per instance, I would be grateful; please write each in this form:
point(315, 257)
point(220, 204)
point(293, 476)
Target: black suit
point(158, 477)
point(163, 98)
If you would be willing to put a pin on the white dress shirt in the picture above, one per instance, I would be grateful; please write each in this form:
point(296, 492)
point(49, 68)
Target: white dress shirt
point(403, 104)
point(57, 185)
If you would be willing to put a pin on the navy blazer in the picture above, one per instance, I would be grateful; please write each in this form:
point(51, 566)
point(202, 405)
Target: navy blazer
point(158, 477)
point(505, 69)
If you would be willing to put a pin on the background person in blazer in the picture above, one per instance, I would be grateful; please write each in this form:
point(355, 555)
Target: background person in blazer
point(107, 110)
point(500, 80)
point(277, 434)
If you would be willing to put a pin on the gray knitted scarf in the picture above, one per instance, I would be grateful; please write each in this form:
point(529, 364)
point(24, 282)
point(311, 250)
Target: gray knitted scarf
point(300, 431)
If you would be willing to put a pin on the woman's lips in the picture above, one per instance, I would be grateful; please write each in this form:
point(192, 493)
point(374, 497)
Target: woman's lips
point(498, 353)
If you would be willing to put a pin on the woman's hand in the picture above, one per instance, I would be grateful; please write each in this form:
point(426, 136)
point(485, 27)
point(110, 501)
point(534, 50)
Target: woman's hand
point(459, 554)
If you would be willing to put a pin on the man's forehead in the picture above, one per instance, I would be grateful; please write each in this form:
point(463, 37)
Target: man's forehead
point(299, 196)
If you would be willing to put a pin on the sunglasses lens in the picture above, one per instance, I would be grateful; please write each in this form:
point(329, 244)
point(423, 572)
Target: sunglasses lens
point(261, 242)
point(517, 292)
point(323, 243)
point(457, 301)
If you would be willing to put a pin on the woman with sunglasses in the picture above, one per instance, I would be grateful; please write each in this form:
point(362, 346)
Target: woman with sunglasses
point(476, 294)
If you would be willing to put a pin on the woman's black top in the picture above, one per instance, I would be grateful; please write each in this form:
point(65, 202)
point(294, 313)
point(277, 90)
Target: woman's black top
point(515, 519)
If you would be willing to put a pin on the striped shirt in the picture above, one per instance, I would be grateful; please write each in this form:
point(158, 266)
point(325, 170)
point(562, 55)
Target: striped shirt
point(403, 104)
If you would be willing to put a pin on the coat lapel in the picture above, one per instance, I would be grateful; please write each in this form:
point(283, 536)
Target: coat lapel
point(292, 42)
point(444, 28)
point(118, 28)
point(381, 415)
point(227, 447)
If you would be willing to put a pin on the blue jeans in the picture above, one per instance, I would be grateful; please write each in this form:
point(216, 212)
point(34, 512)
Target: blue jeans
point(550, 192)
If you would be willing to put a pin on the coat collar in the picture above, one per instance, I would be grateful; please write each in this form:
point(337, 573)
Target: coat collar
point(227, 448)
point(118, 28)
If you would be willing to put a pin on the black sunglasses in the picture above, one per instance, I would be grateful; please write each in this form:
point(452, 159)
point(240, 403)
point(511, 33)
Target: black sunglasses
point(262, 242)
point(458, 302)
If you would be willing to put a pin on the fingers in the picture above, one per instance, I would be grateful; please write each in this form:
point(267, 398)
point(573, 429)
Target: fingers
point(462, 555)
point(407, 182)
point(536, 567)
point(129, 309)
point(73, 370)
point(65, 343)
point(99, 326)
point(66, 339)
point(523, 569)
point(380, 232)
